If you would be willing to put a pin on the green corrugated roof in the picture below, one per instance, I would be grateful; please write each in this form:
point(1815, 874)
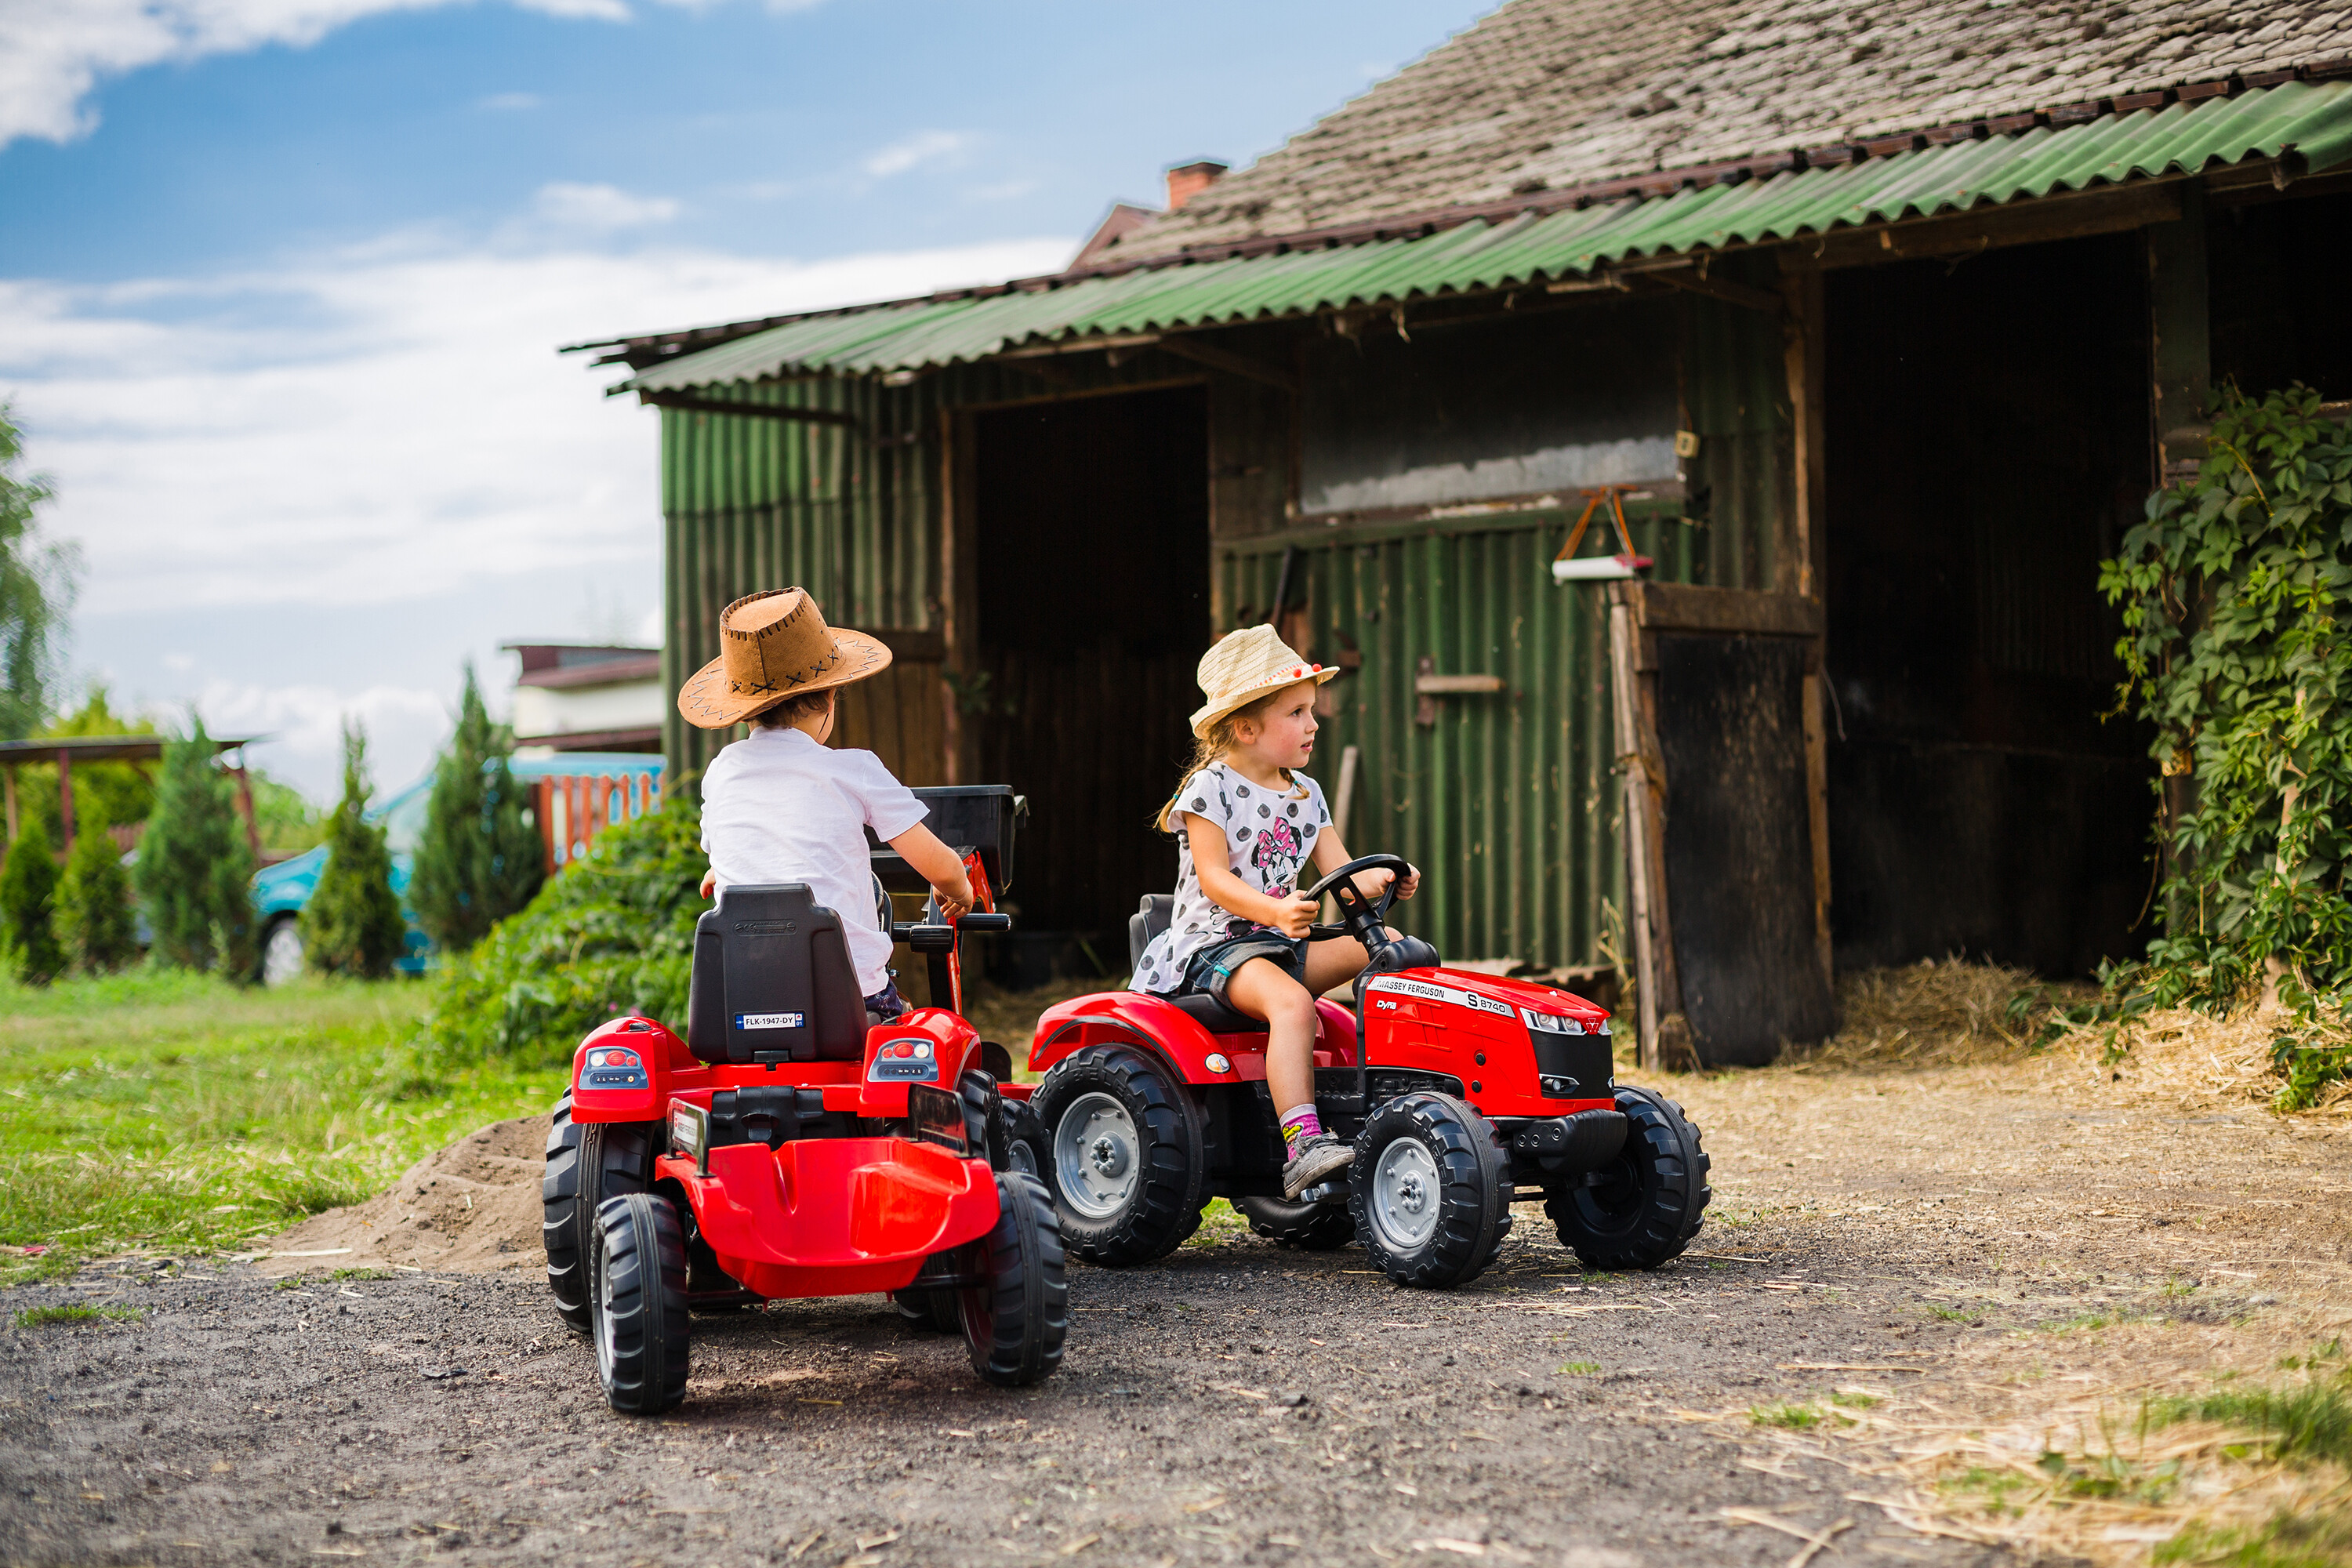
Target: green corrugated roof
point(2312, 119)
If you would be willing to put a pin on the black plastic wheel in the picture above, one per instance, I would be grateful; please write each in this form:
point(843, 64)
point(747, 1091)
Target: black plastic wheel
point(641, 1331)
point(1649, 1202)
point(1312, 1227)
point(586, 1166)
point(1124, 1158)
point(1430, 1191)
point(1014, 1321)
point(1026, 1148)
point(930, 1308)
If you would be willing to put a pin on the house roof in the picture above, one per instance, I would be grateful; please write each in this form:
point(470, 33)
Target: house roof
point(1553, 94)
point(2308, 123)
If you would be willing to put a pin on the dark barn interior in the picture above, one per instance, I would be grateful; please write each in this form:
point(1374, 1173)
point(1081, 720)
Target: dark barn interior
point(1989, 444)
point(1093, 600)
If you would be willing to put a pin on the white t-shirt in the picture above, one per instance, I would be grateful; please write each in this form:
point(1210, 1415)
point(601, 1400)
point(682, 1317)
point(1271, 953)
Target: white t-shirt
point(779, 807)
point(1269, 836)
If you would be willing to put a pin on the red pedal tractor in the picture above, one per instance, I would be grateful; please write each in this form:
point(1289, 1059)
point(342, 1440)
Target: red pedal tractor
point(1460, 1090)
point(792, 1146)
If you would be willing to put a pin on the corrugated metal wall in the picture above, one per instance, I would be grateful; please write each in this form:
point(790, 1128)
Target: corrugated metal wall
point(1510, 802)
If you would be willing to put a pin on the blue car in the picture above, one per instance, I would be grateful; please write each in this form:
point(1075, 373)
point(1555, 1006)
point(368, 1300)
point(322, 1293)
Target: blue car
point(592, 789)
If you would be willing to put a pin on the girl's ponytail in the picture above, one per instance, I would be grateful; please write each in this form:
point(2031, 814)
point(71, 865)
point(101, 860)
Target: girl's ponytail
point(1211, 748)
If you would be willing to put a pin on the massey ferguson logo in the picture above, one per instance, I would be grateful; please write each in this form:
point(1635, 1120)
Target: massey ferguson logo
point(1412, 988)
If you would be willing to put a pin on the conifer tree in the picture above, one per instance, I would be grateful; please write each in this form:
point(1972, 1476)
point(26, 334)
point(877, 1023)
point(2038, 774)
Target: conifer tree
point(27, 895)
point(478, 862)
point(194, 865)
point(93, 903)
point(351, 924)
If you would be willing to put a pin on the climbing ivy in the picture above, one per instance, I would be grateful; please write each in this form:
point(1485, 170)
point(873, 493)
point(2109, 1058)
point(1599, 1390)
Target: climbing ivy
point(2236, 590)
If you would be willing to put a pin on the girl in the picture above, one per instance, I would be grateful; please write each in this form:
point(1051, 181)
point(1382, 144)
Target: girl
point(1245, 820)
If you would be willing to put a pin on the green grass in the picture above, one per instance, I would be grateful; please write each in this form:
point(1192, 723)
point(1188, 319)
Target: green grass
point(37, 1317)
point(2308, 1420)
point(1220, 1223)
point(2286, 1541)
point(1580, 1368)
point(1853, 1399)
point(1954, 1315)
point(165, 1110)
point(1795, 1417)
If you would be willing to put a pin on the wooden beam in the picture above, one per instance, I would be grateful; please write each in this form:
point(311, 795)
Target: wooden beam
point(1184, 346)
point(693, 404)
point(1691, 281)
point(1817, 814)
point(1635, 795)
point(1804, 355)
point(1678, 607)
point(959, 584)
point(2106, 210)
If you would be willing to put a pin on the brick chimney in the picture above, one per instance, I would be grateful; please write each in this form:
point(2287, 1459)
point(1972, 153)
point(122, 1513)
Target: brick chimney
point(1186, 181)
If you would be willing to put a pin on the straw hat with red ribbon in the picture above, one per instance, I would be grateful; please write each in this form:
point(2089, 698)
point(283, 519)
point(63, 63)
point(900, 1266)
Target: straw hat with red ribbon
point(1244, 666)
point(773, 646)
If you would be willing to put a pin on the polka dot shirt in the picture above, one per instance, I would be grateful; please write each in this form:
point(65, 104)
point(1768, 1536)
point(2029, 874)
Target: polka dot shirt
point(1269, 836)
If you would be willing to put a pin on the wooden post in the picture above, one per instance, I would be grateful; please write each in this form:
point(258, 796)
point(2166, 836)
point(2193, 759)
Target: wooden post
point(244, 804)
point(1805, 351)
point(959, 605)
point(64, 797)
point(543, 808)
point(1635, 792)
point(2179, 382)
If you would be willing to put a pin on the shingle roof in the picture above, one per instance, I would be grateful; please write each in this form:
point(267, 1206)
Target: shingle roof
point(1553, 94)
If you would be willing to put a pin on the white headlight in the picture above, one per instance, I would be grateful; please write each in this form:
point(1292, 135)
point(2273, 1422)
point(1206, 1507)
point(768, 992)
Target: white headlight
point(1216, 1061)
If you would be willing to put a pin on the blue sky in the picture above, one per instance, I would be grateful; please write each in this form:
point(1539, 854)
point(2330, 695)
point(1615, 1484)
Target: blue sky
point(280, 281)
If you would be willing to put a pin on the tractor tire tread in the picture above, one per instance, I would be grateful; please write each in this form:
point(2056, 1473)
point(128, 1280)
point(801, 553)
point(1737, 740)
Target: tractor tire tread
point(1317, 1228)
point(1671, 1213)
point(1174, 1189)
point(1476, 1196)
point(641, 1247)
point(1015, 1321)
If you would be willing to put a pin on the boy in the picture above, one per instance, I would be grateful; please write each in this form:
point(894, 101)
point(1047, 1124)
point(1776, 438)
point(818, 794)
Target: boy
point(780, 805)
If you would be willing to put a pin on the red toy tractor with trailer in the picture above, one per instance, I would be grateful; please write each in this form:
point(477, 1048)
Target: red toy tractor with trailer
point(790, 1146)
point(1459, 1090)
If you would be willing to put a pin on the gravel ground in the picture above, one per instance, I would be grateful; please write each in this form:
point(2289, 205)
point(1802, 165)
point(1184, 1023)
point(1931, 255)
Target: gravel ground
point(1236, 1404)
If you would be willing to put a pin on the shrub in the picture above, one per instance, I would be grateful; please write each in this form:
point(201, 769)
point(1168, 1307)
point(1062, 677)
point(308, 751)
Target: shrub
point(93, 904)
point(351, 924)
point(480, 859)
point(194, 864)
point(28, 885)
point(2237, 647)
point(612, 933)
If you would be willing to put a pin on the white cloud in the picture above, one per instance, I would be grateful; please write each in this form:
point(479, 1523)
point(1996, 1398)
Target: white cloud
point(53, 53)
point(599, 209)
point(405, 727)
point(375, 447)
point(923, 147)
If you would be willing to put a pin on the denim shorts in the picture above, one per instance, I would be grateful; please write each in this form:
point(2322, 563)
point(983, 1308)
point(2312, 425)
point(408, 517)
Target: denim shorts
point(1212, 968)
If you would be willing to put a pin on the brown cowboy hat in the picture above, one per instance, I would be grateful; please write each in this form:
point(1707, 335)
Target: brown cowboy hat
point(772, 646)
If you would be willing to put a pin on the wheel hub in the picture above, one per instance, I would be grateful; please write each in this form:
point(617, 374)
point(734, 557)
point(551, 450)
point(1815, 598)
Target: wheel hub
point(1097, 1155)
point(1406, 1192)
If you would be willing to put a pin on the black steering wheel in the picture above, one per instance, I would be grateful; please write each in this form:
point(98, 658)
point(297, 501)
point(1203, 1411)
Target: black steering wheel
point(1364, 919)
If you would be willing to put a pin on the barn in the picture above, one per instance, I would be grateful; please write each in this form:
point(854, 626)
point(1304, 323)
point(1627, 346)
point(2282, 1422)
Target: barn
point(1832, 348)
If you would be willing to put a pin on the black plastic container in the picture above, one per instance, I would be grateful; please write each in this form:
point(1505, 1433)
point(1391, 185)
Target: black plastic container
point(966, 817)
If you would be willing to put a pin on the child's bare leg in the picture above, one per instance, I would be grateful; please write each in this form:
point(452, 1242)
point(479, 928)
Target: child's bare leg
point(1262, 990)
point(1337, 961)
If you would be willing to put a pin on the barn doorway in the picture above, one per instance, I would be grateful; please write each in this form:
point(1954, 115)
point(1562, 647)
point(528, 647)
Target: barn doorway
point(1989, 443)
point(1092, 592)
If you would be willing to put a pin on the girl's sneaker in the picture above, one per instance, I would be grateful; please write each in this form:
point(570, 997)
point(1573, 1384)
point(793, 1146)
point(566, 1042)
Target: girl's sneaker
point(1313, 1163)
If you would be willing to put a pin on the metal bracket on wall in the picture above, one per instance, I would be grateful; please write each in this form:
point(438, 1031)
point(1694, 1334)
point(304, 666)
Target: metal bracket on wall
point(1431, 686)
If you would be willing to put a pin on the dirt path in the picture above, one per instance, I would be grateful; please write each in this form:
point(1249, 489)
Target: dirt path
point(1966, 1256)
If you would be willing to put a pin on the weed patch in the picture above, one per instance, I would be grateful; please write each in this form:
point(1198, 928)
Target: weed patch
point(41, 1317)
point(2288, 1540)
point(2310, 1420)
point(1794, 1417)
point(1579, 1368)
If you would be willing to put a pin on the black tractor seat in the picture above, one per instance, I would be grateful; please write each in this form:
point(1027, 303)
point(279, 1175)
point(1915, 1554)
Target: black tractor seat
point(1150, 918)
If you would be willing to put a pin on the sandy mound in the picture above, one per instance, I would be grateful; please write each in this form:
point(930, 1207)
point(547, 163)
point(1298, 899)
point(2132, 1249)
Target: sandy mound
point(470, 1208)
